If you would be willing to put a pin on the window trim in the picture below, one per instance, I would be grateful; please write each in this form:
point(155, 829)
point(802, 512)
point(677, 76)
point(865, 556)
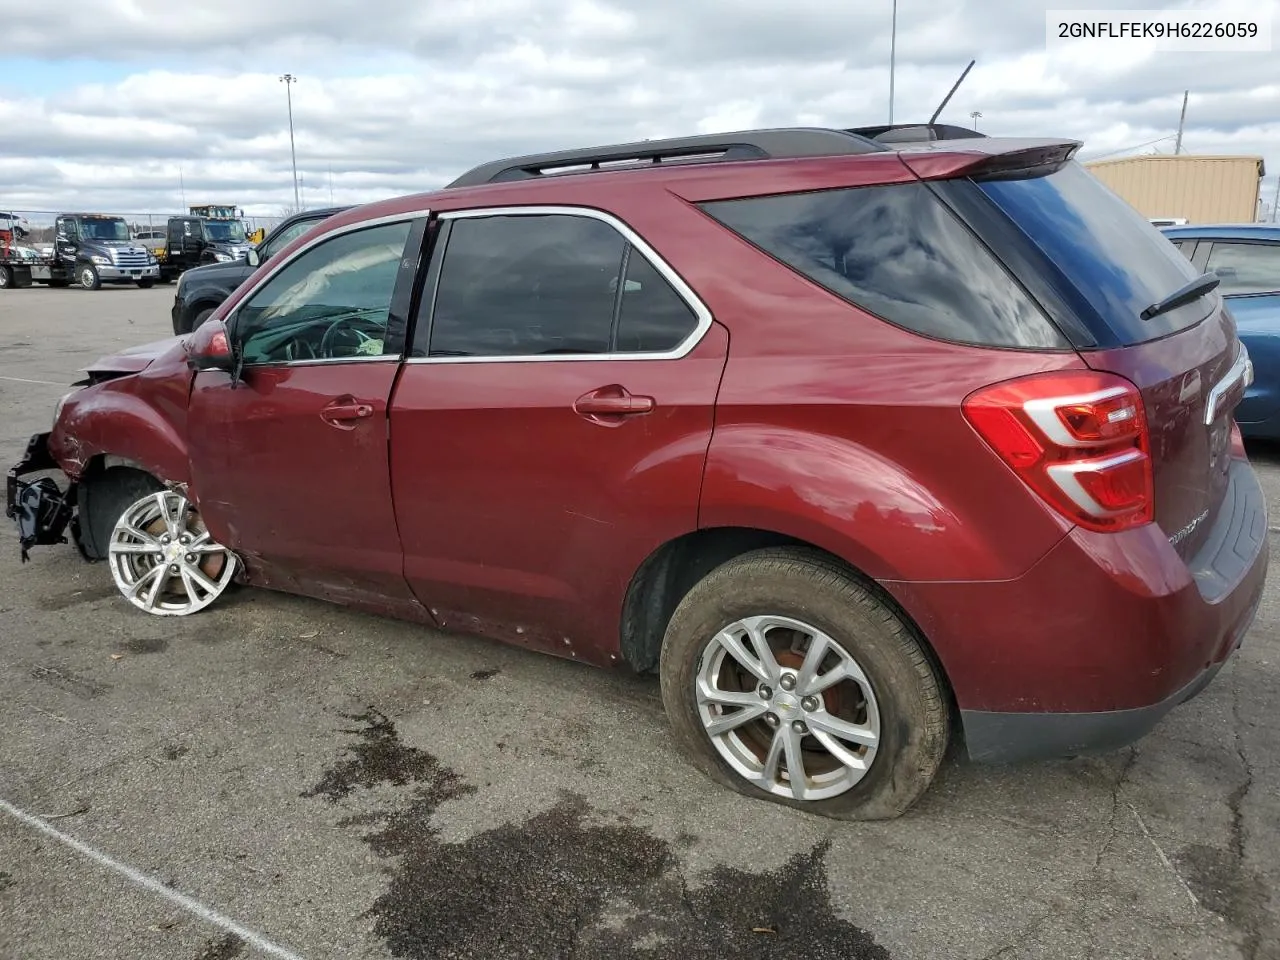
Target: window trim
point(426, 312)
point(276, 264)
point(1209, 245)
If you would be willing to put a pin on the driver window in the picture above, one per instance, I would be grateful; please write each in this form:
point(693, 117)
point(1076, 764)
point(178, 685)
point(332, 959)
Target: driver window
point(332, 302)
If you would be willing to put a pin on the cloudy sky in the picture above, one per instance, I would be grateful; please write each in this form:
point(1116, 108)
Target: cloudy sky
point(120, 104)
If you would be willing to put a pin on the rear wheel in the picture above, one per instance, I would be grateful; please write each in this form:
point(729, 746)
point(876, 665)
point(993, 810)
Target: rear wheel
point(786, 679)
point(6, 277)
point(87, 274)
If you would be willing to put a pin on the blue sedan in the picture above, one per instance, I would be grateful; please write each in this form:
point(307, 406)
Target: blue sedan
point(1246, 258)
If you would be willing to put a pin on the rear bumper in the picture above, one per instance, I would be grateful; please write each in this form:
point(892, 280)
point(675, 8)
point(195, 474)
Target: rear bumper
point(1102, 638)
point(992, 737)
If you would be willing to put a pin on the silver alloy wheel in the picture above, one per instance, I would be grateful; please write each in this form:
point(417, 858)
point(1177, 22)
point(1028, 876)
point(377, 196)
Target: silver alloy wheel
point(163, 559)
point(788, 708)
point(88, 276)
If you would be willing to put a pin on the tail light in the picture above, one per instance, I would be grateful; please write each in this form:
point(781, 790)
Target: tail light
point(1078, 439)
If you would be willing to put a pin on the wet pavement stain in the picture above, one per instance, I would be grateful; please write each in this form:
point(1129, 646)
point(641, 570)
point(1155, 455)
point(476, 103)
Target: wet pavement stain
point(227, 948)
point(6, 881)
point(176, 752)
point(142, 645)
point(1221, 884)
point(82, 687)
point(485, 674)
point(561, 886)
point(71, 598)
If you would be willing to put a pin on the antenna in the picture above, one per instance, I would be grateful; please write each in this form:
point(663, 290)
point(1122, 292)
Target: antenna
point(947, 98)
point(1182, 121)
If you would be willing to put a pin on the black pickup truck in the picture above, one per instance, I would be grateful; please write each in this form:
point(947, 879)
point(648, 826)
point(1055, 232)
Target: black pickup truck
point(201, 289)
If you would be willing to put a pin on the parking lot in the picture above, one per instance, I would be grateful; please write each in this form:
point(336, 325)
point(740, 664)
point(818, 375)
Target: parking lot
point(280, 777)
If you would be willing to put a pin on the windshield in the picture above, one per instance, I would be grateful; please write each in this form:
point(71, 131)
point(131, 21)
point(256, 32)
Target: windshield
point(224, 231)
point(1109, 252)
point(95, 229)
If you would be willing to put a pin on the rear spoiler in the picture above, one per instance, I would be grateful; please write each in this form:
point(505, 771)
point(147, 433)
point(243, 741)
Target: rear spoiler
point(990, 159)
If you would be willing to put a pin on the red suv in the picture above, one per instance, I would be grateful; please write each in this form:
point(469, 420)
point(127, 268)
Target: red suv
point(862, 439)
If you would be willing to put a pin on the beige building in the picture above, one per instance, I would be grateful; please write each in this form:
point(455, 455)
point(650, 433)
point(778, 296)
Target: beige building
point(1199, 189)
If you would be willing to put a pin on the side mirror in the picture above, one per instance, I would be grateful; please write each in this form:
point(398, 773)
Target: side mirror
point(254, 257)
point(209, 347)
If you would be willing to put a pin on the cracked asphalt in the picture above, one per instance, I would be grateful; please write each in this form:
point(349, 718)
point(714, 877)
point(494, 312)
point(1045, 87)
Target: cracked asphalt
point(351, 787)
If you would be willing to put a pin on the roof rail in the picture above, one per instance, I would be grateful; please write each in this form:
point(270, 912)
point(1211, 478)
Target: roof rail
point(772, 144)
point(916, 132)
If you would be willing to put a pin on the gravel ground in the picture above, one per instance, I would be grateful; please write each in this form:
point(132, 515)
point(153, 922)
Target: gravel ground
point(280, 777)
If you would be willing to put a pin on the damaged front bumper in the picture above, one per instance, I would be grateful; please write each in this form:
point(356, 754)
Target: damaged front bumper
point(41, 509)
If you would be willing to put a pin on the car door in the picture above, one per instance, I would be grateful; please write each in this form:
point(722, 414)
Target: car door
point(550, 427)
point(290, 461)
point(1249, 280)
point(67, 240)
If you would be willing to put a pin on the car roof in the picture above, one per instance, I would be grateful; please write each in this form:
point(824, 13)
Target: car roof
point(580, 176)
point(1224, 231)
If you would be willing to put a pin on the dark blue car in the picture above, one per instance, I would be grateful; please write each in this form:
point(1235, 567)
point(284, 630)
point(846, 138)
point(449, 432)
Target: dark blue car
point(1246, 258)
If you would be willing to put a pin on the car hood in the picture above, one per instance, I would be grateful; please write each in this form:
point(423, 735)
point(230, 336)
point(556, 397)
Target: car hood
point(135, 359)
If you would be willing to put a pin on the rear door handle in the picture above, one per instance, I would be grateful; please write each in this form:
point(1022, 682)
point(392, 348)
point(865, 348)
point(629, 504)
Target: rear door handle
point(611, 404)
point(341, 412)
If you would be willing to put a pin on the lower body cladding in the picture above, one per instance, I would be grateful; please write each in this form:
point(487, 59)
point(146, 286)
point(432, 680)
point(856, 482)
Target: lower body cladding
point(1102, 638)
point(1084, 653)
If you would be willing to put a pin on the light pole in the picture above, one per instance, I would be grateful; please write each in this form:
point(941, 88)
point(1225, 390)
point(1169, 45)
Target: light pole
point(975, 115)
point(893, 56)
point(289, 80)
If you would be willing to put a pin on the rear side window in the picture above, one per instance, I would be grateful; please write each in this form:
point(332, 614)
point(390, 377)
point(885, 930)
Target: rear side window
point(1244, 268)
point(653, 318)
point(526, 286)
point(897, 252)
point(1106, 250)
point(545, 284)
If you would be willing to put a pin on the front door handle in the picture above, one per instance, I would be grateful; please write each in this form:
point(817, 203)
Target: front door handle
point(610, 404)
point(343, 411)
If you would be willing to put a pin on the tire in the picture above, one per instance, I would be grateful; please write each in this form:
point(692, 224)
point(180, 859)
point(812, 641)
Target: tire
point(104, 500)
point(204, 314)
point(806, 586)
point(146, 284)
point(87, 276)
point(6, 277)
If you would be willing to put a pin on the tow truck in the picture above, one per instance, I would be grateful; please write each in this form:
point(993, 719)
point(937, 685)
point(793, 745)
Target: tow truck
point(209, 233)
point(88, 248)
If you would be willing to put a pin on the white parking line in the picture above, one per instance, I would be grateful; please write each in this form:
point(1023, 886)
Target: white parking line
point(48, 383)
point(150, 883)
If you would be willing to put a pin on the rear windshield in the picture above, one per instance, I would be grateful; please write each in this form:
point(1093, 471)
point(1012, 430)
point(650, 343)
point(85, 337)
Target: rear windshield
point(1109, 252)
